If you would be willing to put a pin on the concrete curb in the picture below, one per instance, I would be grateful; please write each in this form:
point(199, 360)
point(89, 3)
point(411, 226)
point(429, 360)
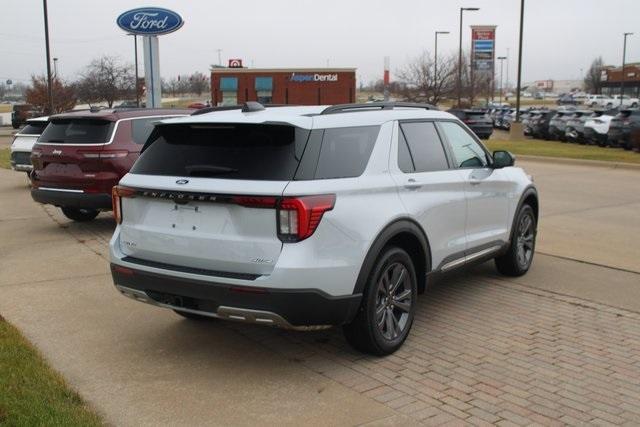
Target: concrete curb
point(579, 162)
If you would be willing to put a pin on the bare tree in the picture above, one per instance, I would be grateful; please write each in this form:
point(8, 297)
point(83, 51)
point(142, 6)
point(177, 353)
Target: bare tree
point(3, 90)
point(64, 97)
point(106, 79)
point(593, 79)
point(421, 83)
point(198, 83)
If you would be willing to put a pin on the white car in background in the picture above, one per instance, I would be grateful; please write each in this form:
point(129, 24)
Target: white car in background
point(23, 143)
point(599, 101)
point(597, 127)
point(627, 101)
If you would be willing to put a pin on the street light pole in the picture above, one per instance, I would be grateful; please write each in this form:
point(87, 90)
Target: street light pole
point(55, 68)
point(519, 62)
point(48, 54)
point(462, 9)
point(501, 59)
point(624, 59)
point(435, 63)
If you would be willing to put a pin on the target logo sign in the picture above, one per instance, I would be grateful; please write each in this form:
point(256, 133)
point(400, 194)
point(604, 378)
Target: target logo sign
point(235, 63)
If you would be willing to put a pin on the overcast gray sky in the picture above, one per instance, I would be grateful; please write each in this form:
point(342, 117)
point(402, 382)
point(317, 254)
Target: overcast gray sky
point(560, 38)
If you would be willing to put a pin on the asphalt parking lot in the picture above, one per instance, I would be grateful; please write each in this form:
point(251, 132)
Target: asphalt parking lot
point(560, 345)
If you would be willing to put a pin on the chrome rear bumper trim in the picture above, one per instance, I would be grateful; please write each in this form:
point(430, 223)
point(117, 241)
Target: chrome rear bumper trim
point(226, 313)
point(63, 190)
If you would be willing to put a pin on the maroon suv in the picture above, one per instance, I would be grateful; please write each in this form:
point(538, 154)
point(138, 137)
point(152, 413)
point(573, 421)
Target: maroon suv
point(81, 155)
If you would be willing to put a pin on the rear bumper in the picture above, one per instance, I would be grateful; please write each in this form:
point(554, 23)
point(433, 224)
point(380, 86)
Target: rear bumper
point(71, 198)
point(20, 161)
point(294, 309)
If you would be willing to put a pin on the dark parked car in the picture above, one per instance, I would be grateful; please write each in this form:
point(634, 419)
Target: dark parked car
point(21, 113)
point(81, 155)
point(621, 127)
point(566, 99)
point(540, 124)
point(477, 120)
point(558, 124)
point(574, 130)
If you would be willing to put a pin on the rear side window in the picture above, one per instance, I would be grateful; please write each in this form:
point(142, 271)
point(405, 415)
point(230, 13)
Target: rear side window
point(77, 131)
point(142, 128)
point(33, 128)
point(345, 152)
point(420, 148)
point(226, 151)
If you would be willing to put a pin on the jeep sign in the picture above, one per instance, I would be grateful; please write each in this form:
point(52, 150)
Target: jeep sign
point(150, 21)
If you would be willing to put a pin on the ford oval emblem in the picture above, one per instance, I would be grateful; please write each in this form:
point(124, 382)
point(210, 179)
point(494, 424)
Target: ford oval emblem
point(182, 181)
point(149, 21)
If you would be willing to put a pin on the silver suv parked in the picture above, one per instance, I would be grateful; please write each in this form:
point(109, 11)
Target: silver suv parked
point(308, 217)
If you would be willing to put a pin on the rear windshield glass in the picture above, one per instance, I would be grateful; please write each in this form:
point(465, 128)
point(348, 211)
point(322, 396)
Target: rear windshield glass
point(33, 128)
point(77, 131)
point(227, 151)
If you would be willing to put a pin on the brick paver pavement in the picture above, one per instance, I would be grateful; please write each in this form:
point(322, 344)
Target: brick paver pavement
point(482, 351)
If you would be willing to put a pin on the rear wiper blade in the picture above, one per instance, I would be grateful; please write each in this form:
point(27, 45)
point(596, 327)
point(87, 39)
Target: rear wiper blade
point(208, 170)
point(55, 140)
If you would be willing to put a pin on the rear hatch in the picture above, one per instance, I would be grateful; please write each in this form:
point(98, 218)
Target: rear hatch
point(476, 118)
point(205, 197)
point(68, 153)
point(619, 125)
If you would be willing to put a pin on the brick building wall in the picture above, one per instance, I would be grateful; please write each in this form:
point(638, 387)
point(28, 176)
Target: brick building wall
point(287, 86)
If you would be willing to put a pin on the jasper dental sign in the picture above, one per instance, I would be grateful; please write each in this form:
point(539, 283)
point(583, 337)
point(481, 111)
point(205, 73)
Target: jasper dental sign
point(150, 21)
point(303, 78)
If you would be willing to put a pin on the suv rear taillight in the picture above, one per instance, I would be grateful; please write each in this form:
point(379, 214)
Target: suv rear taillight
point(103, 154)
point(117, 193)
point(298, 217)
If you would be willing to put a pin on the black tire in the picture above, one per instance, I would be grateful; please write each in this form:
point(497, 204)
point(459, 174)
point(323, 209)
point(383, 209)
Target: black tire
point(514, 262)
point(80, 215)
point(194, 316)
point(378, 307)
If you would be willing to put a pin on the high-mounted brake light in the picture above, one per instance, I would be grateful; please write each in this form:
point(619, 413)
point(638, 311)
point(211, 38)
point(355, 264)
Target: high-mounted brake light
point(117, 193)
point(298, 217)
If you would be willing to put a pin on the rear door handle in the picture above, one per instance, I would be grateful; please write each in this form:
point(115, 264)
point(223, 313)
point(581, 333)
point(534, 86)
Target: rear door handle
point(475, 182)
point(412, 184)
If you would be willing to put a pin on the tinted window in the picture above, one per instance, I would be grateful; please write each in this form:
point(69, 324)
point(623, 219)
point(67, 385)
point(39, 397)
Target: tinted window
point(345, 152)
point(424, 147)
point(33, 128)
point(405, 162)
point(467, 152)
point(228, 151)
point(141, 128)
point(77, 131)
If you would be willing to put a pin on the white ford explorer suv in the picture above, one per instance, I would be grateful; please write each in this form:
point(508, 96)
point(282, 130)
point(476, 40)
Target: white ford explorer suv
point(307, 217)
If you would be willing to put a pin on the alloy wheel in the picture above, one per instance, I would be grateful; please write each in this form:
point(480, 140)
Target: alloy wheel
point(393, 301)
point(525, 241)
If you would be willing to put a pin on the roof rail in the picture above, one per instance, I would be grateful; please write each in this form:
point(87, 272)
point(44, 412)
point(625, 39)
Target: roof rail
point(346, 108)
point(247, 107)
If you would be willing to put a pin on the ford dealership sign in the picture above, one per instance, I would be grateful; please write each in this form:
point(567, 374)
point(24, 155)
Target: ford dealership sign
point(150, 21)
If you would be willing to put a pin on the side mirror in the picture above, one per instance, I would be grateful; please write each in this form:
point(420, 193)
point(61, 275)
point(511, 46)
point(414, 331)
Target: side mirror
point(503, 159)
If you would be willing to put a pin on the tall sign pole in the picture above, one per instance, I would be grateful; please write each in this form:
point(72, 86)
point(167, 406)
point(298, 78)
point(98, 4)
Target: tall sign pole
point(483, 53)
point(150, 22)
point(46, 41)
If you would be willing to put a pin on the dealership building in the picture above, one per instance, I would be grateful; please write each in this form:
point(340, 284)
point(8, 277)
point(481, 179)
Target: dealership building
point(611, 78)
point(298, 86)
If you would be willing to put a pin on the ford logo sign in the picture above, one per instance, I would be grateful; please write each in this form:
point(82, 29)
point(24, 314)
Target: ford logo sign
point(182, 181)
point(150, 21)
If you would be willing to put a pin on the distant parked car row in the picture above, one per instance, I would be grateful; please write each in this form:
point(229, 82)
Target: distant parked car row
point(598, 101)
point(606, 128)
